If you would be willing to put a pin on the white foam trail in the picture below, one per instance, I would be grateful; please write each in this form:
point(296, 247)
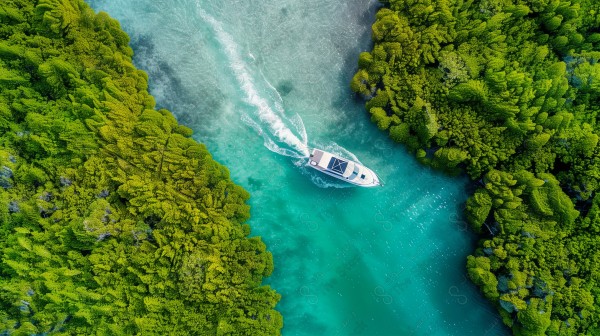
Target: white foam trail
point(266, 114)
point(270, 144)
point(299, 125)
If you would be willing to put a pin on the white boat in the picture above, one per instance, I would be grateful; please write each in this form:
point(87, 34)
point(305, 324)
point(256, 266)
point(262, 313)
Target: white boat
point(343, 169)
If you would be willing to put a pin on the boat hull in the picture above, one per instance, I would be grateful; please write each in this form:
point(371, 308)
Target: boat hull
point(343, 169)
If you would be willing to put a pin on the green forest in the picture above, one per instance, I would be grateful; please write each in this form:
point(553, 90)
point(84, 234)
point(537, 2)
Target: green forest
point(507, 92)
point(113, 220)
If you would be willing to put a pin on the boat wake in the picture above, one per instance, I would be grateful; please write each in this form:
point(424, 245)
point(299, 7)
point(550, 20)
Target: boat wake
point(285, 135)
point(273, 125)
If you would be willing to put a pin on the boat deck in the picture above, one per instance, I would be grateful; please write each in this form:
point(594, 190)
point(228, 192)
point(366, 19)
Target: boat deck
point(316, 156)
point(343, 169)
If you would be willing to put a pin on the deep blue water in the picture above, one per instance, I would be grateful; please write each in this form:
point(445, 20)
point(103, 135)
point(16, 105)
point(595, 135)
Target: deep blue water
point(259, 80)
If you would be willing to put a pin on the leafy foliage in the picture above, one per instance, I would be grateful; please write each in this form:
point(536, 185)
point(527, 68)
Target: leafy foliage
point(113, 220)
point(508, 92)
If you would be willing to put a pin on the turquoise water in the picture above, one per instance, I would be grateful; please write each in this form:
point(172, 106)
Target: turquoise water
point(260, 80)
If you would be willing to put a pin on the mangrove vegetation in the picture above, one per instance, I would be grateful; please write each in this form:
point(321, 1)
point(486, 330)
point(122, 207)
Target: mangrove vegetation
point(113, 220)
point(509, 93)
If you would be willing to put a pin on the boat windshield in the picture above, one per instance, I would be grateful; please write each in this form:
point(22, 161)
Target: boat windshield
point(337, 165)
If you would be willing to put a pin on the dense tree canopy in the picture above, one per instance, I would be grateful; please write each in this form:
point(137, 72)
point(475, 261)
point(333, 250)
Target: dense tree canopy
point(113, 220)
point(508, 92)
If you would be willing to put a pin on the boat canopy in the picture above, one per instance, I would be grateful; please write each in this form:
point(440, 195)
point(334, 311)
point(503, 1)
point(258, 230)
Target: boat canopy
point(337, 165)
point(343, 169)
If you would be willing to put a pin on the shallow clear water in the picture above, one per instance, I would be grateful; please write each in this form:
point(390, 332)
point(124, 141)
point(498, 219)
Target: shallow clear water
point(348, 261)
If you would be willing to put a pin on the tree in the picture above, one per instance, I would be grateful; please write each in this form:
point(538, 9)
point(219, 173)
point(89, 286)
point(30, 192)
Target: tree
point(509, 93)
point(112, 219)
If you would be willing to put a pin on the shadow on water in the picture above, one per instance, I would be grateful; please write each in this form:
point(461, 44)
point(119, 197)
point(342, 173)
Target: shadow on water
point(285, 87)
